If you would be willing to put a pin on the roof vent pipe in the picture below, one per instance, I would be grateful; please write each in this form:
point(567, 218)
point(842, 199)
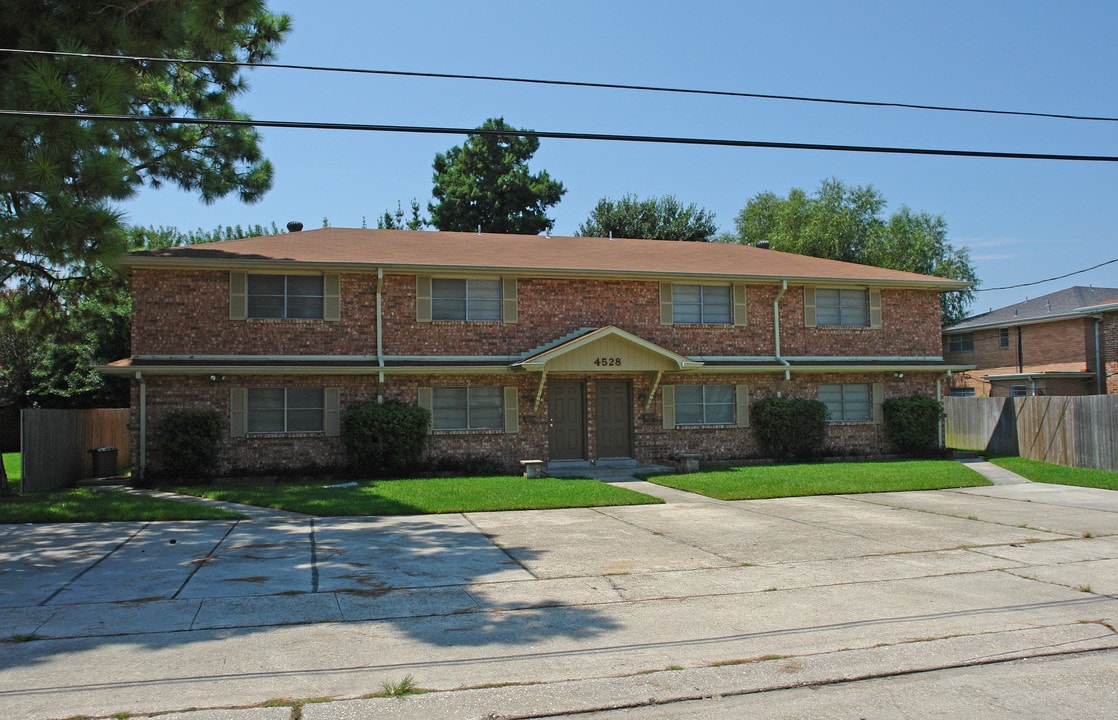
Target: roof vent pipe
point(763, 244)
point(294, 226)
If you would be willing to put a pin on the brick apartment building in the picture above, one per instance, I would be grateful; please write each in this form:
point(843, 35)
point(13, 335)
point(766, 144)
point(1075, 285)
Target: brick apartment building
point(1051, 345)
point(523, 347)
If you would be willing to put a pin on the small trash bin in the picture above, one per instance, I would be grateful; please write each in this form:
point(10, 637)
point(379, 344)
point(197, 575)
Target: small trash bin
point(104, 461)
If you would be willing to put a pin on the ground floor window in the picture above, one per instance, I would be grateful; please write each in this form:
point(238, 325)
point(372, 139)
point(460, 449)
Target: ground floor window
point(285, 410)
point(1019, 390)
point(467, 408)
point(848, 402)
point(704, 404)
point(962, 392)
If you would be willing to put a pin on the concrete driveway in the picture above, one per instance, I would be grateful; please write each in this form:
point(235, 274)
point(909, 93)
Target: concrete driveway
point(553, 611)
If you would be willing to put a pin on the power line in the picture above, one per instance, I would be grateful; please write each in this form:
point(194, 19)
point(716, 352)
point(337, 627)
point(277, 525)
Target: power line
point(1058, 277)
point(578, 84)
point(555, 135)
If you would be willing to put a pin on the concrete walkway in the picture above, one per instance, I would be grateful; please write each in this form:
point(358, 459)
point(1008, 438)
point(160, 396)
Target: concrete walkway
point(695, 608)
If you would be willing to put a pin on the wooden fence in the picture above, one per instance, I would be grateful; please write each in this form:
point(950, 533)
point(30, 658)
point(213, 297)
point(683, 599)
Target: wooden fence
point(1074, 431)
point(56, 444)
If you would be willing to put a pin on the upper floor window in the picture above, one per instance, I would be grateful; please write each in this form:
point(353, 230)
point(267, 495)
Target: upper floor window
point(285, 410)
point(842, 307)
point(465, 299)
point(705, 304)
point(848, 402)
point(704, 404)
point(285, 296)
point(1003, 337)
point(962, 342)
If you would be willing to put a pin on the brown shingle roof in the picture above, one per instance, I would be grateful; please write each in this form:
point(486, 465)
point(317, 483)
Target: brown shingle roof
point(406, 250)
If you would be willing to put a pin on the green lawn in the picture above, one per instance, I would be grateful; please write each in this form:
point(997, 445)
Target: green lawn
point(424, 496)
point(1058, 474)
point(12, 466)
point(753, 482)
point(93, 505)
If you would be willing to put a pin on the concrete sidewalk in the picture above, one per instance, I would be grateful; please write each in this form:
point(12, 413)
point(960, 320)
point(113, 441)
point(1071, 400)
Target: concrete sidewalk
point(556, 612)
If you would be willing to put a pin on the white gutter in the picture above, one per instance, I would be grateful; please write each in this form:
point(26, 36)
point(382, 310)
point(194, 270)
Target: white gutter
point(776, 325)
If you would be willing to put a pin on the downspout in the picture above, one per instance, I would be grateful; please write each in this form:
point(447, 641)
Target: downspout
point(939, 399)
point(380, 343)
point(143, 423)
point(776, 327)
point(1020, 352)
point(1100, 371)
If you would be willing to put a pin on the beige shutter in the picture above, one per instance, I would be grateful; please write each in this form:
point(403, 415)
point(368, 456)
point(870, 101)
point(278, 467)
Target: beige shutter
point(331, 297)
point(878, 403)
point(238, 295)
point(333, 419)
point(666, 304)
point(741, 397)
point(667, 395)
point(809, 307)
point(875, 308)
point(238, 412)
point(512, 414)
point(422, 298)
point(739, 305)
point(426, 401)
point(508, 300)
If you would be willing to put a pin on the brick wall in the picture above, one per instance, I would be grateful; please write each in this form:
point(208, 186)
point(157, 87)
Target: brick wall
point(1058, 346)
point(1109, 340)
point(186, 312)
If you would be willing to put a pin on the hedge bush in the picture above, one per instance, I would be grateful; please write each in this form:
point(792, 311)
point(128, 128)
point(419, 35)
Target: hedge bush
point(789, 428)
point(386, 439)
point(912, 423)
point(188, 443)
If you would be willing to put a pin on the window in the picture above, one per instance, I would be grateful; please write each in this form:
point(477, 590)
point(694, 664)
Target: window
point(1003, 337)
point(285, 296)
point(705, 304)
point(467, 408)
point(962, 392)
point(1019, 390)
point(963, 342)
point(704, 404)
point(842, 307)
point(461, 299)
point(285, 410)
point(849, 402)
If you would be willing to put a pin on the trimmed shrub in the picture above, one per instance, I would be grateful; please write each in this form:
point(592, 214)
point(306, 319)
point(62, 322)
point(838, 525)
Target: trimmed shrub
point(387, 439)
point(912, 423)
point(188, 443)
point(789, 428)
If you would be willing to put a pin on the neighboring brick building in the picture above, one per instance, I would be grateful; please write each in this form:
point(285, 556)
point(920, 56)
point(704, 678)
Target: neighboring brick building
point(1105, 317)
point(524, 347)
point(1044, 346)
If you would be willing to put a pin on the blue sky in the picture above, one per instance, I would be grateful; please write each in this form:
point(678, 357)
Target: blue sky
point(1022, 220)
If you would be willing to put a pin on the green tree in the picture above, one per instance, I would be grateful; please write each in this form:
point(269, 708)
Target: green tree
point(847, 223)
point(61, 178)
point(485, 183)
point(662, 218)
point(398, 221)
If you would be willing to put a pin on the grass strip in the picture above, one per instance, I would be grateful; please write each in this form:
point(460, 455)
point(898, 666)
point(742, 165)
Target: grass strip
point(95, 505)
point(754, 482)
point(425, 496)
point(1043, 472)
point(13, 466)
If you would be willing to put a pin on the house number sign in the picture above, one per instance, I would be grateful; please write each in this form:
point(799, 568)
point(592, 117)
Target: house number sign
point(608, 362)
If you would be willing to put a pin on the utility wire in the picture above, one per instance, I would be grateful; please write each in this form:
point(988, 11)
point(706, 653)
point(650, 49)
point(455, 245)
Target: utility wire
point(1058, 277)
point(659, 139)
point(575, 83)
